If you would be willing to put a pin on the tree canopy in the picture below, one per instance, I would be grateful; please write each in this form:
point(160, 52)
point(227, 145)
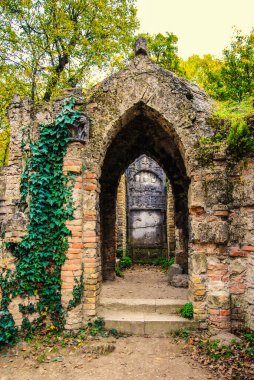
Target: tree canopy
point(230, 77)
point(163, 50)
point(47, 44)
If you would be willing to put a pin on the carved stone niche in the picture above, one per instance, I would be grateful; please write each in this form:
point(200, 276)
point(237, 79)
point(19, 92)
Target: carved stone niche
point(79, 129)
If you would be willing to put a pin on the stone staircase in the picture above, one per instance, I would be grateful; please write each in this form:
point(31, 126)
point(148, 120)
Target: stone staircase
point(144, 316)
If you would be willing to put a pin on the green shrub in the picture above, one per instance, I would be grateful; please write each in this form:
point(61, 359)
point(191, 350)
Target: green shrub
point(240, 138)
point(164, 262)
point(125, 262)
point(119, 253)
point(249, 337)
point(186, 310)
point(183, 333)
point(119, 272)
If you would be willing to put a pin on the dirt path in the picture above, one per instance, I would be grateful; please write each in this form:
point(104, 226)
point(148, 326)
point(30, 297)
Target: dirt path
point(133, 358)
point(142, 282)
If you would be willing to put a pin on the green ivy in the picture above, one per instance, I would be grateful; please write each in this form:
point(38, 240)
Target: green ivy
point(78, 291)
point(42, 252)
point(8, 331)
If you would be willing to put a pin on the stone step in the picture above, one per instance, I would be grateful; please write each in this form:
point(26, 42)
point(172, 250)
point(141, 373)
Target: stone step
point(145, 323)
point(160, 306)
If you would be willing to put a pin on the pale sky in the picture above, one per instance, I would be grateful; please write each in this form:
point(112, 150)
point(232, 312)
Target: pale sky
point(202, 26)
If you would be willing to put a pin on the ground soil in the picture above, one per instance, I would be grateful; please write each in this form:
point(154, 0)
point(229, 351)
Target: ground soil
point(142, 282)
point(133, 358)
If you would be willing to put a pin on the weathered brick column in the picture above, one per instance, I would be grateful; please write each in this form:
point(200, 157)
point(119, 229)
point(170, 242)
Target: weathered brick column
point(170, 221)
point(121, 215)
point(208, 270)
point(241, 247)
point(73, 264)
point(91, 241)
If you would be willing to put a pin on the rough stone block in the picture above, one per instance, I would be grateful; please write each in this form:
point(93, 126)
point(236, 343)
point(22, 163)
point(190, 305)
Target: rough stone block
point(211, 230)
point(199, 263)
point(225, 339)
point(218, 300)
point(237, 266)
point(180, 281)
point(174, 270)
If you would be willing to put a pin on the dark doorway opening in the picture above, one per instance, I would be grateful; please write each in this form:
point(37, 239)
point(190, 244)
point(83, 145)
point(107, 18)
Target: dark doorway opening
point(146, 135)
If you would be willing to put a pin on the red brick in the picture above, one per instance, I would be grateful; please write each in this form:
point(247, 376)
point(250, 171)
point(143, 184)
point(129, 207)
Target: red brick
point(215, 278)
point(90, 187)
point(248, 248)
point(238, 254)
point(90, 245)
point(211, 219)
point(213, 312)
point(74, 261)
point(74, 256)
point(67, 286)
point(196, 210)
point(217, 266)
point(70, 267)
point(88, 216)
point(225, 312)
point(89, 233)
point(89, 181)
point(75, 228)
point(77, 245)
point(90, 175)
point(92, 239)
point(72, 163)
point(86, 260)
point(221, 213)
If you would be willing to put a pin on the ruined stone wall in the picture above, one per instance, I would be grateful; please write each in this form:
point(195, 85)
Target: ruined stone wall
point(146, 110)
point(12, 221)
point(241, 252)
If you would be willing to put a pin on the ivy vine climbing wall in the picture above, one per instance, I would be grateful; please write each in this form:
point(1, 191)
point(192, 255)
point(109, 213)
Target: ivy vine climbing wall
point(47, 192)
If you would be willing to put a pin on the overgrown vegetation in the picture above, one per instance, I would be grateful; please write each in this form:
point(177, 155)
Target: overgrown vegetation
point(48, 45)
point(183, 333)
point(56, 58)
point(233, 131)
point(125, 262)
point(232, 362)
point(4, 144)
point(162, 262)
point(186, 311)
point(51, 345)
point(78, 290)
point(41, 253)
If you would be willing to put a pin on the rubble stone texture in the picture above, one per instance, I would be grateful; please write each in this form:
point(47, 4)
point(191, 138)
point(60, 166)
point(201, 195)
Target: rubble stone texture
point(144, 109)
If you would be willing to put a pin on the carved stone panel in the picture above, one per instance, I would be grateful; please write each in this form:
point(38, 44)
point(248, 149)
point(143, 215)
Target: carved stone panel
point(79, 129)
point(146, 205)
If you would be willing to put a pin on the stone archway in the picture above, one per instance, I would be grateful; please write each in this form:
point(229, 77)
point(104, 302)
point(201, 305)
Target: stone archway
point(141, 135)
point(144, 109)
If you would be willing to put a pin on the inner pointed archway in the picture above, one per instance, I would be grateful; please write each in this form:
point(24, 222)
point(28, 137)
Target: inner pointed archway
point(143, 135)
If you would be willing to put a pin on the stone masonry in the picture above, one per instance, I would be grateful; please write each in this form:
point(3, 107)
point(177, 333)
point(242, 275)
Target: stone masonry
point(146, 209)
point(144, 109)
